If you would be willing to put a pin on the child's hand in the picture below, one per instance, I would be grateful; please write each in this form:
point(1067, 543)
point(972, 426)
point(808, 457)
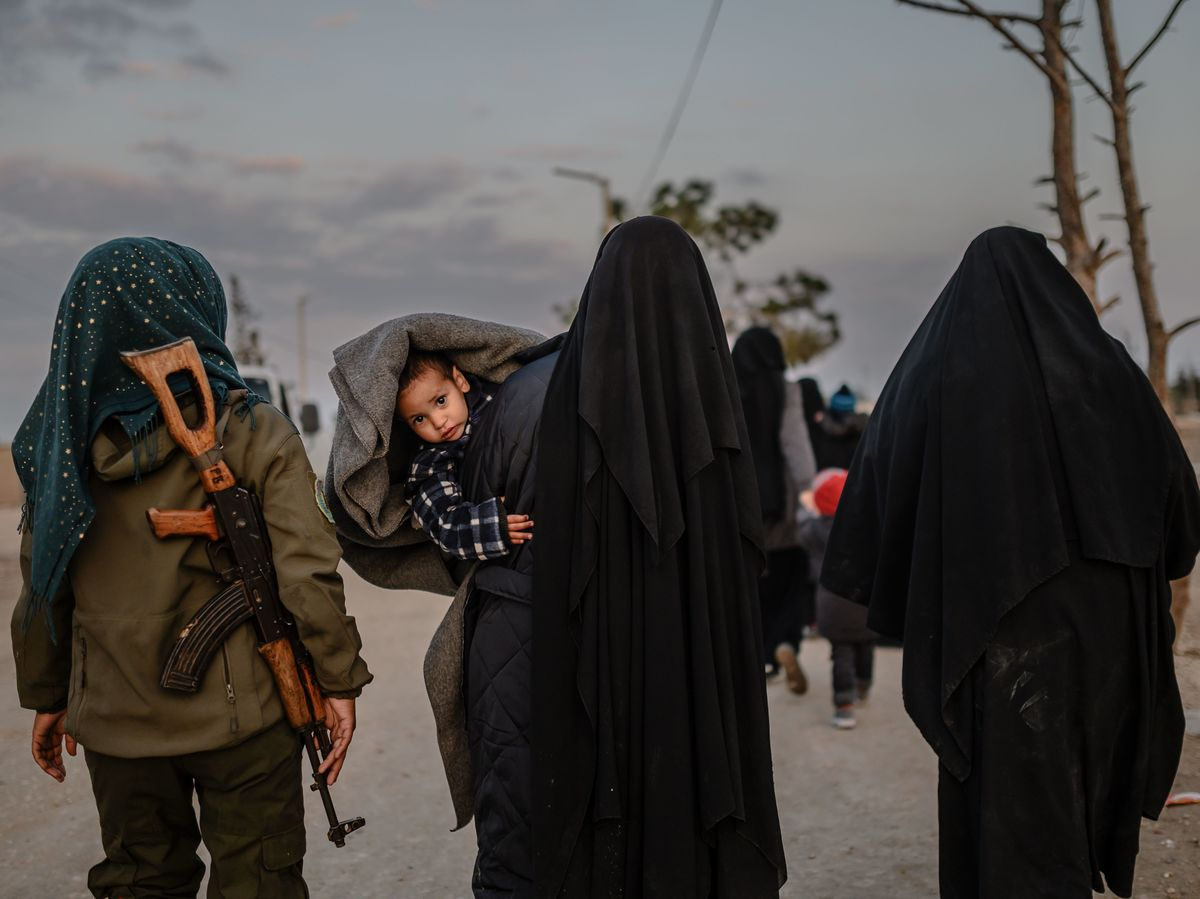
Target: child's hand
point(520, 529)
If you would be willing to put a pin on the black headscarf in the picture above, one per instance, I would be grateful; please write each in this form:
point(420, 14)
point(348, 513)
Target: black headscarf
point(652, 766)
point(759, 364)
point(814, 410)
point(951, 514)
point(814, 403)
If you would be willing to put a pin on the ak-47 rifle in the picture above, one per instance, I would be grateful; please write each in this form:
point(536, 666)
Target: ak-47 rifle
point(232, 522)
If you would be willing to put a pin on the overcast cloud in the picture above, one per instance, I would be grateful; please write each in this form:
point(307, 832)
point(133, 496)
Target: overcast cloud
point(396, 157)
point(98, 36)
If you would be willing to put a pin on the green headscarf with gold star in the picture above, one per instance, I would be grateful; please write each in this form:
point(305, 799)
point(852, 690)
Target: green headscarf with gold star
point(127, 294)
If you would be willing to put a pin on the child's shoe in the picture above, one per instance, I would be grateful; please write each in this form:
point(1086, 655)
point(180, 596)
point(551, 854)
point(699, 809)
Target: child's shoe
point(863, 690)
point(785, 655)
point(843, 717)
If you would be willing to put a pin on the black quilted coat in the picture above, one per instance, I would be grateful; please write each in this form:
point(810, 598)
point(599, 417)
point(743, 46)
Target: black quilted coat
point(499, 624)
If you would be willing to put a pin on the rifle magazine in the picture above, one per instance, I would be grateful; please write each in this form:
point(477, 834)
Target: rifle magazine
point(200, 638)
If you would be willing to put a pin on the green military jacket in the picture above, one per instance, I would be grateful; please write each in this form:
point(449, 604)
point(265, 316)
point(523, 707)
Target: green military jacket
point(128, 594)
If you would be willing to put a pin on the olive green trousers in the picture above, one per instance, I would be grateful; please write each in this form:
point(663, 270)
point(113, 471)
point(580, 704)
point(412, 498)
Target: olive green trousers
point(251, 821)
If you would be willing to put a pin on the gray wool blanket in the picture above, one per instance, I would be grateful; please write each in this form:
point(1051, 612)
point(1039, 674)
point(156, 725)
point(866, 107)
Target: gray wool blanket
point(364, 485)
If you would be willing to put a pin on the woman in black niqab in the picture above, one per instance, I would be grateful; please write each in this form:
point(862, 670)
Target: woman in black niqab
point(783, 470)
point(814, 403)
point(1016, 509)
point(652, 764)
point(814, 415)
point(759, 364)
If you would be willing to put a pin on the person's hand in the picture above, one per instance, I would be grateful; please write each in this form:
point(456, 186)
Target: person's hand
point(520, 529)
point(48, 735)
point(339, 718)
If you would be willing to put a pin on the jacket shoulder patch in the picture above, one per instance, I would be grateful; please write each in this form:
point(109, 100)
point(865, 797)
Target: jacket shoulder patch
point(319, 495)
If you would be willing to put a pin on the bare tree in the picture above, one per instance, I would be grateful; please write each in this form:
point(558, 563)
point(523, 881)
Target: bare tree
point(1158, 337)
point(245, 345)
point(1083, 258)
point(1054, 56)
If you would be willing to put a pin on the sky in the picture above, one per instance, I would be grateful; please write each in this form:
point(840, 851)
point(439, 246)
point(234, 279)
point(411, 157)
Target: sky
point(385, 157)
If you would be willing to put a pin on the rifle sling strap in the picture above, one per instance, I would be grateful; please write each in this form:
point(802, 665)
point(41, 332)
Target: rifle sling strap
point(208, 458)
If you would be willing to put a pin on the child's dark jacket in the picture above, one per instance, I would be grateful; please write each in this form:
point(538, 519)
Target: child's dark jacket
point(838, 619)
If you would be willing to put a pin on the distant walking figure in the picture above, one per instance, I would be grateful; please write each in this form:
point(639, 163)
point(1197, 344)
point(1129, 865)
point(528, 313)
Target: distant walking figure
point(1018, 505)
point(839, 429)
point(784, 465)
point(840, 621)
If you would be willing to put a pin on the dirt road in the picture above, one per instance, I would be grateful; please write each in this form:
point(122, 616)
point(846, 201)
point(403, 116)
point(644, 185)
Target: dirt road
point(858, 807)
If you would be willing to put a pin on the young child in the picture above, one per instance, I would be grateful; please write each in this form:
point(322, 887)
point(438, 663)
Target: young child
point(435, 400)
point(842, 622)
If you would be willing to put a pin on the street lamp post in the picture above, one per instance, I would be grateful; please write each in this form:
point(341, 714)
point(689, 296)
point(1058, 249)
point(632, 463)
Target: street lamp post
point(302, 348)
point(606, 220)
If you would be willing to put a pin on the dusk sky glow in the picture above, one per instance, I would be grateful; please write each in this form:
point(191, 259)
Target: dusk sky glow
point(394, 157)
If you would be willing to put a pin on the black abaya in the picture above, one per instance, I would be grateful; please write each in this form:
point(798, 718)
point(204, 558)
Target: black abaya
point(759, 365)
point(785, 594)
point(1055, 795)
point(652, 767)
point(1020, 498)
point(814, 411)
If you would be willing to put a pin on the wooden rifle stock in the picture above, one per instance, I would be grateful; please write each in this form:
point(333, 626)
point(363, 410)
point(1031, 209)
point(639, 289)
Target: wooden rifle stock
point(154, 367)
point(297, 687)
point(184, 523)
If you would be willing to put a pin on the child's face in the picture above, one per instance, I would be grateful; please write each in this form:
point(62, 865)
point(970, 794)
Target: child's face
point(434, 406)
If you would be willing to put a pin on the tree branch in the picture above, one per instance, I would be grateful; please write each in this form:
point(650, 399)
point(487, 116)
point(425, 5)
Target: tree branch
point(1083, 73)
point(996, 20)
point(997, 23)
point(1182, 326)
point(1108, 304)
point(1141, 54)
point(1100, 257)
point(955, 11)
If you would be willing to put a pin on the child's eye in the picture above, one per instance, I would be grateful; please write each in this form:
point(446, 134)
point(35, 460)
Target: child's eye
point(417, 419)
point(441, 400)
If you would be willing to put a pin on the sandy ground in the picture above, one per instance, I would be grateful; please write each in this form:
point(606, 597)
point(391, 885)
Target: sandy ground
point(858, 807)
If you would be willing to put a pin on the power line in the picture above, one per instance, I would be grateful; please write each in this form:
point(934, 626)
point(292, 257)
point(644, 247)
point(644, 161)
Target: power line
point(680, 103)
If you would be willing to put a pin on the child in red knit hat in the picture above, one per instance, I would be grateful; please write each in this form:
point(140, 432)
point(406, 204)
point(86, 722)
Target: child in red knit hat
point(842, 622)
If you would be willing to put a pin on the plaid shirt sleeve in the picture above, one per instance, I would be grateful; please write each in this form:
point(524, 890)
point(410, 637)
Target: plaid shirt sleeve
point(466, 530)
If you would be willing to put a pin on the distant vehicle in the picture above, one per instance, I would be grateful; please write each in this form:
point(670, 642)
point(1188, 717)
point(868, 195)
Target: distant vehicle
point(267, 383)
point(281, 394)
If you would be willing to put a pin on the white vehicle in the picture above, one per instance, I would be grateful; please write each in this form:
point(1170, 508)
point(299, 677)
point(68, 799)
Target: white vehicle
point(281, 394)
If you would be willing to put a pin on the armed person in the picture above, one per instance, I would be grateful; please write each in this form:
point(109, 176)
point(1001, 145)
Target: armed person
point(97, 630)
